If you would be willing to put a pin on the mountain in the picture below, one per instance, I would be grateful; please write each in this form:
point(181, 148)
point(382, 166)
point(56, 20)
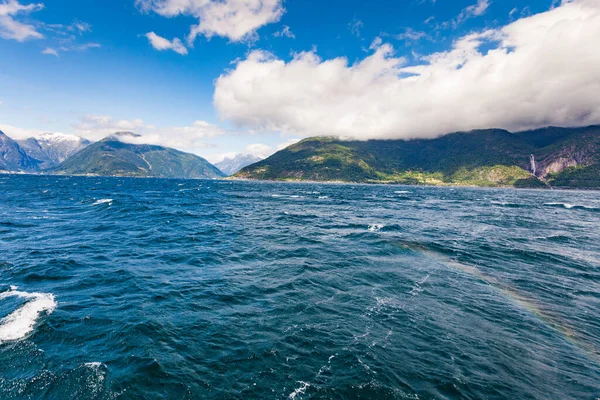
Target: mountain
point(112, 157)
point(232, 165)
point(13, 157)
point(558, 157)
point(50, 149)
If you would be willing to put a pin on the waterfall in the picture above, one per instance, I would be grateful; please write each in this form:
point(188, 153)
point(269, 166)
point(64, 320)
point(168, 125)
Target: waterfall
point(532, 160)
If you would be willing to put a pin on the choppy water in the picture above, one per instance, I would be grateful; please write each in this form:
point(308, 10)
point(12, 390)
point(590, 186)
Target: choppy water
point(147, 289)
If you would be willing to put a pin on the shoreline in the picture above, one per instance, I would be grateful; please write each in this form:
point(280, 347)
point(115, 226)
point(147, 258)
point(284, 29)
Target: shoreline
point(230, 178)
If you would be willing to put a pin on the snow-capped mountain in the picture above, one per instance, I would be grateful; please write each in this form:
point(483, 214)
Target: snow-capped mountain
point(51, 149)
point(230, 166)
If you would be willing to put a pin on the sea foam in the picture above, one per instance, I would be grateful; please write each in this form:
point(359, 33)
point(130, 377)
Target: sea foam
point(21, 322)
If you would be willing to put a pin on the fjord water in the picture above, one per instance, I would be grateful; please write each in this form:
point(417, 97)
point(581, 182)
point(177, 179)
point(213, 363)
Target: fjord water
point(147, 289)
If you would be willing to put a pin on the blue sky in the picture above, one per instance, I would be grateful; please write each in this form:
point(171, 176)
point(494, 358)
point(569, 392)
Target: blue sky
point(88, 66)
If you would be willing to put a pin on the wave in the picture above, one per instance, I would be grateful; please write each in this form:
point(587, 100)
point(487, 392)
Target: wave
point(21, 322)
point(507, 204)
point(569, 206)
point(299, 391)
point(103, 201)
point(376, 227)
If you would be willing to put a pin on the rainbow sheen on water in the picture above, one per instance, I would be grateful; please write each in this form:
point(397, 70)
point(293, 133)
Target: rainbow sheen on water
point(144, 289)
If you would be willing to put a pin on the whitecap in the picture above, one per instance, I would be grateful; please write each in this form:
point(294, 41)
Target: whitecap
point(21, 322)
point(402, 192)
point(565, 205)
point(93, 364)
point(323, 197)
point(376, 227)
point(103, 201)
point(300, 390)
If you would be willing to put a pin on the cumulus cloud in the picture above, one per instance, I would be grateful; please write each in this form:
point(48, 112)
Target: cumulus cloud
point(190, 138)
point(160, 43)
point(237, 20)
point(12, 29)
point(541, 70)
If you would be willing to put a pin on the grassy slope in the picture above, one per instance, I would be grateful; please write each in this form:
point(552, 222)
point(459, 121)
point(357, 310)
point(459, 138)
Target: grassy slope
point(479, 158)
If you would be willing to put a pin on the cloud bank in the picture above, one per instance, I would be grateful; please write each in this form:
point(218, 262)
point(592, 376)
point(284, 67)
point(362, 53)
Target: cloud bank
point(537, 71)
point(236, 20)
point(190, 138)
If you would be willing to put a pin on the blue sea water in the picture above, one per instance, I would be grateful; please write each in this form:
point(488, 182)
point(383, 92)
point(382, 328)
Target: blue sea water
point(169, 289)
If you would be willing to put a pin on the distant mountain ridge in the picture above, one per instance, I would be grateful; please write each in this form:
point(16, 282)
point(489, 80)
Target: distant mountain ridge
point(112, 157)
point(232, 165)
point(50, 149)
point(13, 157)
point(557, 157)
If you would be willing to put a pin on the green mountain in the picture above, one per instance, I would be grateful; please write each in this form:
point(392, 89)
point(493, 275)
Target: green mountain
point(559, 157)
point(112, 157)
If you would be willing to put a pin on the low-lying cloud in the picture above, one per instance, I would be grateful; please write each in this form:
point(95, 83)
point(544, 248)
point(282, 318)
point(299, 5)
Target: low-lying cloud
point(537, 71)
point(192, 138)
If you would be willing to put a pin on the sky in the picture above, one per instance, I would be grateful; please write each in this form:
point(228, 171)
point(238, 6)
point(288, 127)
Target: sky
point(220, 77)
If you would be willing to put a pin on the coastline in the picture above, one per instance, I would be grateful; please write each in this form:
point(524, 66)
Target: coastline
point(292, 181)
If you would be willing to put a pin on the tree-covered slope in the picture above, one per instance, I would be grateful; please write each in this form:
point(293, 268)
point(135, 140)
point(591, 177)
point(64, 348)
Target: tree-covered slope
point(482, 158)
point(111, 157)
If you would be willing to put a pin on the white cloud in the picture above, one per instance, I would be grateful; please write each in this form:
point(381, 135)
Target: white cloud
point(477, 9)
point(10, 28)
point(287, 143)
point(355, 27)
point(19, 133)
point(68, 46)
point(160, 43)
point(411, 35)
point(190, 138)
point(50, 51)
point(544, 70)
point(258, 150)
point(285, 32)
point(237, 20)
